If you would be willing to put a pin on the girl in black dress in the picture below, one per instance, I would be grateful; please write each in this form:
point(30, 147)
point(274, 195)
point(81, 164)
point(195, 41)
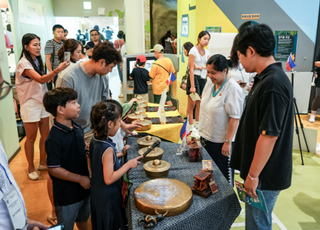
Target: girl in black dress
point(106, 199)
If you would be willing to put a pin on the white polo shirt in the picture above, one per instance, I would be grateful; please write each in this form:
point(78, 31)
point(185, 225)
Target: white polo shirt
point(216, 112)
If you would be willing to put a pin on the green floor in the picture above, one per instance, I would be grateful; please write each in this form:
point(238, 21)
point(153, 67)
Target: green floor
point(299, 206)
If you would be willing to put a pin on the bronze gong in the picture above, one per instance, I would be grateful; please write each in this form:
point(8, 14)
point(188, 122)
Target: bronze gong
point(156, 168)
point(163, 195)
point(156, 153)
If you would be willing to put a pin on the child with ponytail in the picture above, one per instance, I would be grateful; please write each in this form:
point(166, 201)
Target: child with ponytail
point(106, 199)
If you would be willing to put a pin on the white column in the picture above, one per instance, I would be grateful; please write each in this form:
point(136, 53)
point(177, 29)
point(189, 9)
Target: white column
point(134, 24)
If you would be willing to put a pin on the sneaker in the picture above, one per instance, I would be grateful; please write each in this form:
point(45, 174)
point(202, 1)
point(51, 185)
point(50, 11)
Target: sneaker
point(195, 133)
point(236, 171)
point(312, 118)
point(33, 176)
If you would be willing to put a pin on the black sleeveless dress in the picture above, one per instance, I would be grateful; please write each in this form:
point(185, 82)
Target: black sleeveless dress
point(106, 200)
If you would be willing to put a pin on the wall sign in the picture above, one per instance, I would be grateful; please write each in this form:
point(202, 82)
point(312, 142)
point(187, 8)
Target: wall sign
point(250, 16)
point(185, 25)
point(286, 43)
point(213, 29)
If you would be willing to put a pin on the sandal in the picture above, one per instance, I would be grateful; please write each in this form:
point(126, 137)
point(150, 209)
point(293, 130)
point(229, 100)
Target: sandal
point(52, 220)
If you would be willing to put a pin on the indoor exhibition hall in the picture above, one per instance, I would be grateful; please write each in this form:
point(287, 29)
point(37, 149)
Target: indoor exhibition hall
point(159, 114)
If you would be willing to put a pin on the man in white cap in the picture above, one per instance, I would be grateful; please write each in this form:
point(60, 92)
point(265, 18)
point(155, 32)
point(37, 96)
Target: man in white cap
point(160, 72)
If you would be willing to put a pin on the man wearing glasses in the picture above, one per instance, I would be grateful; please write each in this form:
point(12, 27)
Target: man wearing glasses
point(9, 190)
point(94, 37)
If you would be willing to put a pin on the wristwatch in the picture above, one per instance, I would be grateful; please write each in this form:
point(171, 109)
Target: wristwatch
point(228, 141)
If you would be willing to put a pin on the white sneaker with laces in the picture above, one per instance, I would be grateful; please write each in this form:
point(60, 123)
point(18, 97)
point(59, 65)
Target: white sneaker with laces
point(312, 118)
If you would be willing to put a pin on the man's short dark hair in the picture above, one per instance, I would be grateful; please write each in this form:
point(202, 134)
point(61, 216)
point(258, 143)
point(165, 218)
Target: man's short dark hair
point(106, 51)
point(58, 96)
point(260, 37)
point(65, 30)
point(57, 26)
point(94, 30)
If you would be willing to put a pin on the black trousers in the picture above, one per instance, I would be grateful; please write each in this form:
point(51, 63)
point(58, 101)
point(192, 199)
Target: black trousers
point(214, 150)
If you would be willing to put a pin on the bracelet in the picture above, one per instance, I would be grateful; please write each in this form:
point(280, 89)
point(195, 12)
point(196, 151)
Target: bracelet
point(55, 72)
point(252, 177)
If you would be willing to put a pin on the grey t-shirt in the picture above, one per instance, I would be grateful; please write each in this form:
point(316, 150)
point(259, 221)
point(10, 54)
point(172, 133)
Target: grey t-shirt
point(48, 49)
point(91, 90)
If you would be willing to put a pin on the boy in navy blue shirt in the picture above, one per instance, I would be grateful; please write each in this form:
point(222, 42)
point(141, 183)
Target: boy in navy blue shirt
point(67, 159)
point(141, 78)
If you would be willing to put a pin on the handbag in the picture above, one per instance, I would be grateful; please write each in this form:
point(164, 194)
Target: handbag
point(184, 80)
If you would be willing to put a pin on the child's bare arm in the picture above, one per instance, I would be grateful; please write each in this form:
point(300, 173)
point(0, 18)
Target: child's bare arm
point(64, 174)
point(111, 176)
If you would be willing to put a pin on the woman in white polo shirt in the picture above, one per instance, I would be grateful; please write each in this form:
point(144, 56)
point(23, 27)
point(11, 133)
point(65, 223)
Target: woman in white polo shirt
point(220, 111)
point(30, 84)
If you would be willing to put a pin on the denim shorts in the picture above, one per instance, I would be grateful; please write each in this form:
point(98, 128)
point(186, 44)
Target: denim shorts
point(70, 214)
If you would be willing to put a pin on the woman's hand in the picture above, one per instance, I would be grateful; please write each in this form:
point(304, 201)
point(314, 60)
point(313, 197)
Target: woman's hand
point(192, 89)
point(226, 149)
point(63, 65)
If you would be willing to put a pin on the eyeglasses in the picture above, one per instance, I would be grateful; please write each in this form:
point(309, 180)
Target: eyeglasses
point(4, 89)
point(94, 34)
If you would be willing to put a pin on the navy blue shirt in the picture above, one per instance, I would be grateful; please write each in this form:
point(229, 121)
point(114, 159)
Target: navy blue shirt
point(269, 110)
point(140, 77)
point(65, 148)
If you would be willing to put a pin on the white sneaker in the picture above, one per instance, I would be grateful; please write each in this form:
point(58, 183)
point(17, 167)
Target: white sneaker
point(33, 176)
point(236, 171)
point(312, 118)
point(195, 133)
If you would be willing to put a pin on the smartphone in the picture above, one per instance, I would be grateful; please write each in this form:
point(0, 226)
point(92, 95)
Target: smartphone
point(57, 227)
point(67, 55)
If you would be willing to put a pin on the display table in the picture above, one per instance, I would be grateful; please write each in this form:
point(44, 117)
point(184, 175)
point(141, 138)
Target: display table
point(169, 131)
point(216, 212)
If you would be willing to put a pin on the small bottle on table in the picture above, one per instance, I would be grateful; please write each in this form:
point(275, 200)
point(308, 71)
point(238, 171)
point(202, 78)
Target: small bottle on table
point(163, 117)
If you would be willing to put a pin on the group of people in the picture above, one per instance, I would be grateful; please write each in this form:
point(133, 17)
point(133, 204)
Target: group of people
point(245, 116)
point(82, 158)
point(72, 130)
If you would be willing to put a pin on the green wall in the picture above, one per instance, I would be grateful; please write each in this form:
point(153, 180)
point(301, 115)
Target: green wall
point(8, 126)
point(20, 28)
point(62, 8)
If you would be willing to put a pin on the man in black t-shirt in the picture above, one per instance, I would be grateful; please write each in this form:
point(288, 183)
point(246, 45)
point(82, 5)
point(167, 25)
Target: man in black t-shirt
point(263, 145)
point(141, 78)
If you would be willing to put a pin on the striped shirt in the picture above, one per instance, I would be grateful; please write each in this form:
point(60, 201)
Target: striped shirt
point(49, 50)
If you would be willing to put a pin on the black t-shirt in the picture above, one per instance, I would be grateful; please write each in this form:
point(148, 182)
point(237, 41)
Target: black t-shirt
point(140, 77)
point(269, 110)
point(65, 148)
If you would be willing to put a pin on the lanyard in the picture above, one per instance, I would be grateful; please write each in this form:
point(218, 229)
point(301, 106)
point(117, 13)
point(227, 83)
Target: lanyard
point(6, 176)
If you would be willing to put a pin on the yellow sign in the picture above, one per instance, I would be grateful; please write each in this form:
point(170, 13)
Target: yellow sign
point(250, 16)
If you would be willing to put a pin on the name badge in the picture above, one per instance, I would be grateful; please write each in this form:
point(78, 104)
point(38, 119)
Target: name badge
point(15, 208)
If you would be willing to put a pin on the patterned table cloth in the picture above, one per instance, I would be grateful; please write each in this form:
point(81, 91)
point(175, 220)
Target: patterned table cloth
point(216, 212)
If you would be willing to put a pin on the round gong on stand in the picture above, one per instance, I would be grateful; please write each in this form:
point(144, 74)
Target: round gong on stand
point(147, 141)
point(163, 195)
